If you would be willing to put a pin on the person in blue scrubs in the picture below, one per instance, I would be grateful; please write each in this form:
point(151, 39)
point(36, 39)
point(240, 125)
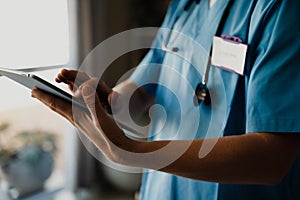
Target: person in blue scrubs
point(255, 116)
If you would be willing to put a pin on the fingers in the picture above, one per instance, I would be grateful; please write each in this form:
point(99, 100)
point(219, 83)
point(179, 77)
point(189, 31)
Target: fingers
point(72, 77)
point(54, 103)
point(92, 102)
point(100, 118)
point(102, 90)
point(94, 97)
point(66, 76)
point(75, 79)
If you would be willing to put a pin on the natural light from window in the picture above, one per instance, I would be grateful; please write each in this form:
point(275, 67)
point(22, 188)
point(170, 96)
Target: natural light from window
point(33, 33)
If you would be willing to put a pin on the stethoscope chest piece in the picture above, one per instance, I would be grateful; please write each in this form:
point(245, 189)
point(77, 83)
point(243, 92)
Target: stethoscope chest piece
point(202, 94)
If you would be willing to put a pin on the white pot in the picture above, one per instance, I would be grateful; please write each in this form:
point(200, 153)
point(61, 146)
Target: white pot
point(29, 170)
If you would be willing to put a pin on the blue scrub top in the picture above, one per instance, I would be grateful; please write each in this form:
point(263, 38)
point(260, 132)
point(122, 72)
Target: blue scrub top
point(265, 99)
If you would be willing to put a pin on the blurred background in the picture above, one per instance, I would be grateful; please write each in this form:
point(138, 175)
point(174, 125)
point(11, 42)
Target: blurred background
point(41, 156)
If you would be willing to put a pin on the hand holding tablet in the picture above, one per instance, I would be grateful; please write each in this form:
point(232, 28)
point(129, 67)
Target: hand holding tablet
point(31, 81)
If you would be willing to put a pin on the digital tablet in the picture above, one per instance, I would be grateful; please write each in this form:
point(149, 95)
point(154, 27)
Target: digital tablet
point(31, 81)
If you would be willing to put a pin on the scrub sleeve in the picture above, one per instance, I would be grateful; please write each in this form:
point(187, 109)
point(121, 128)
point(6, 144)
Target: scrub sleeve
point(274, 83)
point(272, 92)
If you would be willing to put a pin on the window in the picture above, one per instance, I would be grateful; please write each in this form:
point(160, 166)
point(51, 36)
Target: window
point(33, 33)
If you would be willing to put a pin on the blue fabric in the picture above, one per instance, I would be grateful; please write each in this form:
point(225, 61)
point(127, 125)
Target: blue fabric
point(264, 100)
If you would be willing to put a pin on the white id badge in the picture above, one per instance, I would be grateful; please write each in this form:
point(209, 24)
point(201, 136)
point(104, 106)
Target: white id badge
point(229, 53)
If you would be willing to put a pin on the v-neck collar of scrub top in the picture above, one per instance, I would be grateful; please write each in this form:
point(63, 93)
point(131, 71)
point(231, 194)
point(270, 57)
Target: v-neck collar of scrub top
point(189, 63)
point(213, 17)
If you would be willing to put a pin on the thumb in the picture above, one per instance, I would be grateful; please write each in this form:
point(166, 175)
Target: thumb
point(93, 104)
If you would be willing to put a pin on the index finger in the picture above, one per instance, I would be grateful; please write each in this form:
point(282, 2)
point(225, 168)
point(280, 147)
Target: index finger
point(70, 76)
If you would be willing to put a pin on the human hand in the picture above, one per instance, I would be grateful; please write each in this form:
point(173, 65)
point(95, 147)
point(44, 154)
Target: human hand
point(96, 125)
point(74, 79)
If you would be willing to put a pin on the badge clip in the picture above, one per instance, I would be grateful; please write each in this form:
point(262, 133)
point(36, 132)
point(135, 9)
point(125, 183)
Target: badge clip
point(229, 53)
point(232, 39)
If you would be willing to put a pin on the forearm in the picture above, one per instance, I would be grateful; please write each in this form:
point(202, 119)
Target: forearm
point(250, 159)
point(257, 158)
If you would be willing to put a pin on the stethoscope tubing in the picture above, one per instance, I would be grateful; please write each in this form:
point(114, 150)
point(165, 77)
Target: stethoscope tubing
point(201, 92)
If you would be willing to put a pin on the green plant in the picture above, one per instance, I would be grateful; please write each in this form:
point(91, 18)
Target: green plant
point(43, 139)
point(5, 153)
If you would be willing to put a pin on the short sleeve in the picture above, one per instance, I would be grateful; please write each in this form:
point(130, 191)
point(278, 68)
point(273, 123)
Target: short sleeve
point(273, 89)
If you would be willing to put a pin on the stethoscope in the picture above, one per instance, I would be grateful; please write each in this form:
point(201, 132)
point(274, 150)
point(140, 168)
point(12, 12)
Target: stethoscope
point(201, 91)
